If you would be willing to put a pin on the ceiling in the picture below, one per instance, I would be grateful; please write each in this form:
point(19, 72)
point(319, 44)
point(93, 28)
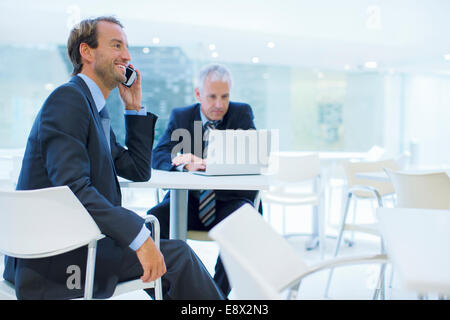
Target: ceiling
point(399, 35)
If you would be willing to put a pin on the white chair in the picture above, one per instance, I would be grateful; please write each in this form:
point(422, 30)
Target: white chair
point(58, 223)
point(418, 245)
point(260, 263)
point(363, 189)
point(375, 153)
point(421, 190)
point(291, 173)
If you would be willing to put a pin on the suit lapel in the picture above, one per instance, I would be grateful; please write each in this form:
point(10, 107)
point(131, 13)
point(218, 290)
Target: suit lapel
point(196, 133)
point(93, 107)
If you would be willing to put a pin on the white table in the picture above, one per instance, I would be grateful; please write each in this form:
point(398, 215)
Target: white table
point(180, 182)
point(418, 244)
point(382, 176)
point(330, 156)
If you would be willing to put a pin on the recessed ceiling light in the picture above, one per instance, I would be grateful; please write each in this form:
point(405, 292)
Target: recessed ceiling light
point(212, 47)
point(371, 64)
point(270, 44)
point(214, 54)
point(255, 60)
point(156, 40)
point(145, 50)
point(447, 56)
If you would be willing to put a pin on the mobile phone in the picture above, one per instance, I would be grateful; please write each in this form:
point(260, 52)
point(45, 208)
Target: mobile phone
point(130, 75)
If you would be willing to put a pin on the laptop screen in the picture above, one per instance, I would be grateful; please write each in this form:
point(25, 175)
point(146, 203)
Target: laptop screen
point(238, 147)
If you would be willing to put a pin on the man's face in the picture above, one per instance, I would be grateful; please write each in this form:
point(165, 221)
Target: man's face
point(214, 99)
point(111, 55)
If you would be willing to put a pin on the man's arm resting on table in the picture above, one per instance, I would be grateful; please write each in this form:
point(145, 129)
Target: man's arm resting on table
point(189, 162)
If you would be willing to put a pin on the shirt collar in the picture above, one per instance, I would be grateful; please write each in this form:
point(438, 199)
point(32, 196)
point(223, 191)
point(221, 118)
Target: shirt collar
point(96, 93)
point(205, 119)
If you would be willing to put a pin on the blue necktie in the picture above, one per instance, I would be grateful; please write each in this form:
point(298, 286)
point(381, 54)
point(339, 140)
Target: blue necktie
point(207, 203)
point(106, 123)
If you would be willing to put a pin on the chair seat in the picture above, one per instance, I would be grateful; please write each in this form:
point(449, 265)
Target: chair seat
point(281, 196)
point(132, 285)
point(198, 235)
point(7, 290)
point(371, 228)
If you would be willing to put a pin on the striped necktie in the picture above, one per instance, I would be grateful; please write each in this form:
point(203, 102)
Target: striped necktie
point(106, 123)
point(209, 125)
point(207, 203)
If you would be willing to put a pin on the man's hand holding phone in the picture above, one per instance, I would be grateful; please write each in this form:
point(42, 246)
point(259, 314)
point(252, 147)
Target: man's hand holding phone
point(132, 96)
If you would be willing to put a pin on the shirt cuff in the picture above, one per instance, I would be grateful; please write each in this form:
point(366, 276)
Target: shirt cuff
point(141, 112)
point(180, 167)
point(143, 235)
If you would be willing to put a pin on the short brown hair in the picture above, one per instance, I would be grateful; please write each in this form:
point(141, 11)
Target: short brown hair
point(84, 32)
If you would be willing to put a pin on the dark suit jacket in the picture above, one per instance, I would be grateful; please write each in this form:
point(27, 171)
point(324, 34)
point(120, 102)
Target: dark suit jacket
point(67, 146)
point(238, 116)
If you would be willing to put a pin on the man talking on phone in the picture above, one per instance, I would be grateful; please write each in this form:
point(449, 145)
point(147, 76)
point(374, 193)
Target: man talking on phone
point(71, 143)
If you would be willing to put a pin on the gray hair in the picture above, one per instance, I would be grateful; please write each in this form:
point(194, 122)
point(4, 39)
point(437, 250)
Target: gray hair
point(214, 72)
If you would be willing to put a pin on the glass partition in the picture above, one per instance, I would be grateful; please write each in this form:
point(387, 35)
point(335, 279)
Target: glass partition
point(315, 107)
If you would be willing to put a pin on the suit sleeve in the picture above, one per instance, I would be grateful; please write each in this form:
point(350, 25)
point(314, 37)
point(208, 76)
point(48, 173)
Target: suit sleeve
point(64, 140)
point(134, 162)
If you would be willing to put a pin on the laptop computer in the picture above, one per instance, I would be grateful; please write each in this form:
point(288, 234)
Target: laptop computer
point(237, 152)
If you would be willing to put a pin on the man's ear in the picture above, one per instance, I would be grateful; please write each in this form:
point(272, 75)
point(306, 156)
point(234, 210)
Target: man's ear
point(86, 52)
point(197, 94)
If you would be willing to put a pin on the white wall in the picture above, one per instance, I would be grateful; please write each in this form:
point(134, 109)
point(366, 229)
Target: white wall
point(427, 100)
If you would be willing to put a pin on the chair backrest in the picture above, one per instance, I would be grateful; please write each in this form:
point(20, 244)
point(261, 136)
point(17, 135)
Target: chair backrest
point(16, 166)
point(418, 244)
point(352, 168)
point(291, 167)
point(40, 223)
point(421, 190)
point(375, 153)
point(259, 262)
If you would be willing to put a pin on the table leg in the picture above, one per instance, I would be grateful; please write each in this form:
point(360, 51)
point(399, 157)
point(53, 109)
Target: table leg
point(314, 240)
point(178, 214)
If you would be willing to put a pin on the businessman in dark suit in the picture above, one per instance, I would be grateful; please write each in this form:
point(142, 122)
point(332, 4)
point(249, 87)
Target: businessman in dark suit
point(214, 110)
point(72, 144)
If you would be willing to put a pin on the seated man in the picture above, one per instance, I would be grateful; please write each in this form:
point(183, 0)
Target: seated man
point(206, 208)
point(71, 143)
